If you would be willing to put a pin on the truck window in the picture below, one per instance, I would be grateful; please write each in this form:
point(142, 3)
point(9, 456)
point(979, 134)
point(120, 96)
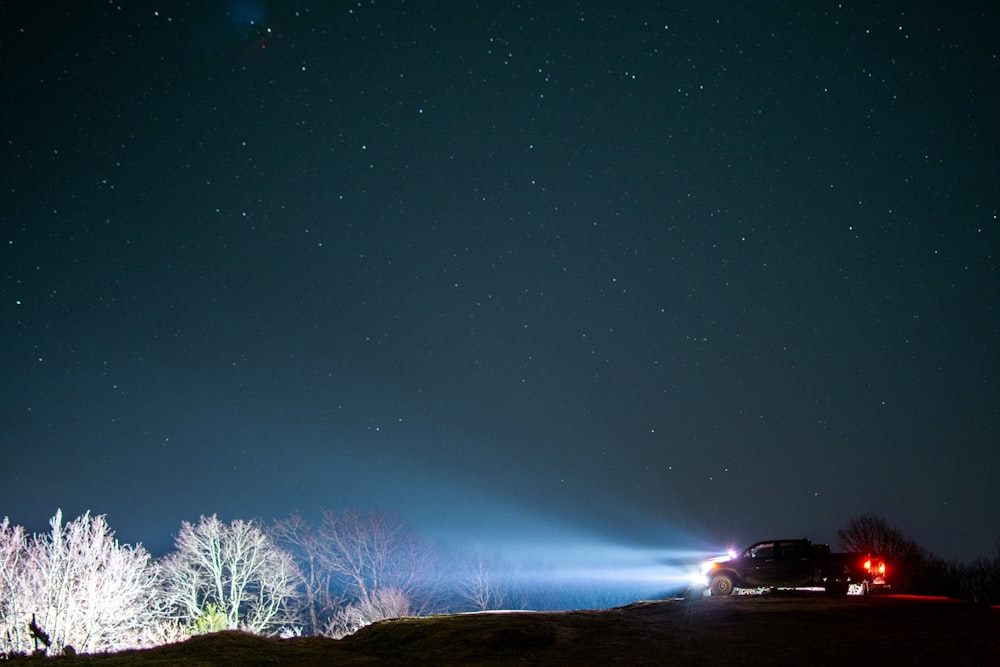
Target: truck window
point(762, 550)
point(792, 550)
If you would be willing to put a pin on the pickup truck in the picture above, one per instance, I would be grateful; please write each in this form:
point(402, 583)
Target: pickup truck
point(794, 564)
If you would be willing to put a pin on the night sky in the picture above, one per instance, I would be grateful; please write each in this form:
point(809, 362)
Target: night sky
point(679, 274)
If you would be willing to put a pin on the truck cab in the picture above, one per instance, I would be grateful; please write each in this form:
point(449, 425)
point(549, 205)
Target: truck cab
point(791, 564)
point(784, 562)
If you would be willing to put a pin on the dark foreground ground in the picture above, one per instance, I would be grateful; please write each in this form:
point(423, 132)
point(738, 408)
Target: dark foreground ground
point(793, 629)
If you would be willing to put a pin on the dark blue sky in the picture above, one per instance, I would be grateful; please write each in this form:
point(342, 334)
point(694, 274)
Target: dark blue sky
point(684, 273)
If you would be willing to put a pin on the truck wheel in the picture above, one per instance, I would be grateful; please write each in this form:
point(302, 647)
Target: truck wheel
point(722, 585)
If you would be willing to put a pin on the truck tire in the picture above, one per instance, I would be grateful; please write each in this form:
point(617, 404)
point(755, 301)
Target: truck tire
point(722, 584)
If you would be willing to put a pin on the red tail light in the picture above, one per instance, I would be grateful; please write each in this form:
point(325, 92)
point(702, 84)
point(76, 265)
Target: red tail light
point(881, 568)
point(868, 564)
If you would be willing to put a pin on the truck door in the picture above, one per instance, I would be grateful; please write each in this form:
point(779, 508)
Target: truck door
point(793, 564)
point(760, 568)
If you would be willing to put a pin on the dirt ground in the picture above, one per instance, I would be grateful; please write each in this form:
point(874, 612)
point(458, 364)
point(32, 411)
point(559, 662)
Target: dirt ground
point(777, 629)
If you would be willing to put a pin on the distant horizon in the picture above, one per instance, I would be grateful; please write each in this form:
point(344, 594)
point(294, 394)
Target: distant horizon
point(558, 541)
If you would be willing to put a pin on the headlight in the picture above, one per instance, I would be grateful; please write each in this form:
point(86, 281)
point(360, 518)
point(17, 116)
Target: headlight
point(698, 579)
point(713, 563)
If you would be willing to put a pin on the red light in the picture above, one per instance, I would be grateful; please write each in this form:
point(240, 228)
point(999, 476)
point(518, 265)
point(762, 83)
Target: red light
point(868, 564)
point(881, 568)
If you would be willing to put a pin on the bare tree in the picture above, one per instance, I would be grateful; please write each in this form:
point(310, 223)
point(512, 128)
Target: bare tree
point(83, 588)
point(235, 570)
point(873, 534)
point(481, 585)
point(13, 546)
point(367, 553)
point(912, 569)
point(979, 580)
point(355, 566)
point(300, 538)
point(380, 604)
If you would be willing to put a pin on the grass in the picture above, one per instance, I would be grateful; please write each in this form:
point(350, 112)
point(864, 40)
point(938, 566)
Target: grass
point(764, 630)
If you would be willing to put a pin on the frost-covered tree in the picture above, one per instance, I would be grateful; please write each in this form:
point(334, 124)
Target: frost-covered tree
point(13, 627)
point(81, 586)
point(234, 570)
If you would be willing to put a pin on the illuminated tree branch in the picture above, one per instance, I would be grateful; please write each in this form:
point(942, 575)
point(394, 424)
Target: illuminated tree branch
point(236, 568)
